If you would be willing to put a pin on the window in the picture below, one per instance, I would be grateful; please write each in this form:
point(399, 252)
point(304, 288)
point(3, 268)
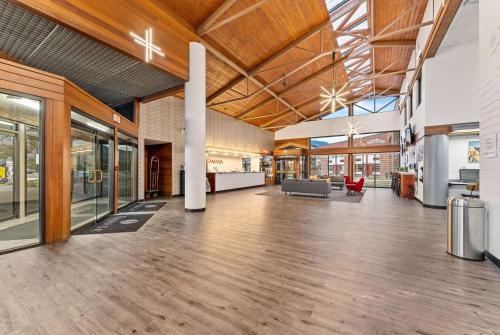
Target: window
point(20, 171)
point(343, 112)
point(375, 168)
point(329, 165)
point(329, 142)
point(377, 105)
point(419, 91)
point(332, 5)
point(376, 139)
point(409, 103)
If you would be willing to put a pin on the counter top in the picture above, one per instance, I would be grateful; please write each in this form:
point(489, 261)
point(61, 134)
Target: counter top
point(222, 181)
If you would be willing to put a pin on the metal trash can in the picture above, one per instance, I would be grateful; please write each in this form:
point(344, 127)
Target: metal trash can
point(466, 228)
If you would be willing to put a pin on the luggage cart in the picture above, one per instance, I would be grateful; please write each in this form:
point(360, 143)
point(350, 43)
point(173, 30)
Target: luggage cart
point(154, 172)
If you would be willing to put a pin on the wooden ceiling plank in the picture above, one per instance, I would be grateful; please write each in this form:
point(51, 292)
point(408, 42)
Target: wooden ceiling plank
point(234, 17)
point(214, 16)
point(334, 16)
point(399, 18)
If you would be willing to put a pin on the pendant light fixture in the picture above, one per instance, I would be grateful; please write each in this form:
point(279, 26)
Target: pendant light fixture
point(333, 97)
point(353, 128)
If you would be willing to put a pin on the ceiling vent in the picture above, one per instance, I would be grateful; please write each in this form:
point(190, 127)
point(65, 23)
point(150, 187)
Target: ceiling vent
point(109, 75)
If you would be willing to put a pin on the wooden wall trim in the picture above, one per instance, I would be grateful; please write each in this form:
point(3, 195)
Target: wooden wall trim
point(20, 78)
point(354, 150)
point(57, 171)
point(110, 23)
point(88, 104)
point(437, 130)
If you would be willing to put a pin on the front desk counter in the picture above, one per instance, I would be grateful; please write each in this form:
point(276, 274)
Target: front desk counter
point(224, 181)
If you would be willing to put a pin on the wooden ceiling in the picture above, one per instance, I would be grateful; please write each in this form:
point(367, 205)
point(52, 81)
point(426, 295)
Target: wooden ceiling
point(268, 59)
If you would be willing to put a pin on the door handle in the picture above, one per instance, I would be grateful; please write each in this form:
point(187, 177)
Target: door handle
point(98, 176)
point(92, 176)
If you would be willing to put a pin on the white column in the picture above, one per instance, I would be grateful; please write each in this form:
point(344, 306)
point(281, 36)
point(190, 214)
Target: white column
point(195, 132)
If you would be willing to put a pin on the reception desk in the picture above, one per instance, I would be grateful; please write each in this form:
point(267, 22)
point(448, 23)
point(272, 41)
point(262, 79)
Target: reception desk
point(224, 181)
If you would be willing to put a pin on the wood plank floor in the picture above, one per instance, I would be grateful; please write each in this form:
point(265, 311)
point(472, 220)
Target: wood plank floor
point(254, 264)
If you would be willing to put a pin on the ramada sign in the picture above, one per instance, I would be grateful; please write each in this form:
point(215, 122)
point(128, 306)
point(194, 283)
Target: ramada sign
point(212, 160)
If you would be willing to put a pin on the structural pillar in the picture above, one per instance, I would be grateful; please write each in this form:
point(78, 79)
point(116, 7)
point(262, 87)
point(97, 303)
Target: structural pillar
point(195, 130)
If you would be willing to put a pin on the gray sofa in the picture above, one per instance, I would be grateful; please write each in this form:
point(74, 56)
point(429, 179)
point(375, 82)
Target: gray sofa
point(306, 186)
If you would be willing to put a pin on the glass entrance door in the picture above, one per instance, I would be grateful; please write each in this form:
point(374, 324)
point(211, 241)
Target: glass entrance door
point(8, 208)
point(127, 170)
point(92, 181)
point(286, 168)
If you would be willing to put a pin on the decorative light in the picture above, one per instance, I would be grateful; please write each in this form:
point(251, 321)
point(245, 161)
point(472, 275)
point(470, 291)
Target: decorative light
point(147, 42)
point(353, 128)
point(333, 97)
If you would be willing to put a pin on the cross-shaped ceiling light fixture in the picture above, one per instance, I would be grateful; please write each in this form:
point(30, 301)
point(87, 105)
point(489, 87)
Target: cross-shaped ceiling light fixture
point(147, 42)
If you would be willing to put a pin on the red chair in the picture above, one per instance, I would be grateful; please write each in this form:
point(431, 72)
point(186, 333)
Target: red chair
point(347, 180)
point(356, 187)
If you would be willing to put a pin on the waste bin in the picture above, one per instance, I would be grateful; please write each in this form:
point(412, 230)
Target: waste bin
point(466, 228)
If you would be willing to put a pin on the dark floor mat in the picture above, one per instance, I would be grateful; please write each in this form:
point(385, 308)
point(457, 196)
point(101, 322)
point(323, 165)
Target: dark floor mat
point(147, 206)
point(120, 223)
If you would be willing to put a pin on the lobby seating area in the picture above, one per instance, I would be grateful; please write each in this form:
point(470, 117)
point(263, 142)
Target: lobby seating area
point(305, 186)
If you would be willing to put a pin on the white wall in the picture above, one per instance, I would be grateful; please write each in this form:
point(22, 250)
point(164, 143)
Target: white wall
point(489, 74)
point(452, 86)
point(370, 123)
point(458, 155)
point(162, 121)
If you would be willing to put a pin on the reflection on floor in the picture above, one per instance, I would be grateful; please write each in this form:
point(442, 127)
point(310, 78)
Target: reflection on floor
point(253, 264)
point(86, 211)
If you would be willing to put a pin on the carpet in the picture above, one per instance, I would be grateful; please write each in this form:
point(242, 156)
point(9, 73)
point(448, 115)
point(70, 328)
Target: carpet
point(336, 195)
point(120, 223)
point(147, 206)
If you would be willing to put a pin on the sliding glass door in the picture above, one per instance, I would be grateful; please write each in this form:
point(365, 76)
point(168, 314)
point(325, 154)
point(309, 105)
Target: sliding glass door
point(20, 159)
point(127, 170)
point(92, 178)
point(375, 168)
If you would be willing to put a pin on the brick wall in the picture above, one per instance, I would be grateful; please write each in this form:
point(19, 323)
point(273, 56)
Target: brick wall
point(163, 120)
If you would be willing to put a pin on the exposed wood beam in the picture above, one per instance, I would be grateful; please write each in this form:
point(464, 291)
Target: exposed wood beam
point(334, 16)
point(443, 20)
point(232, 64)
point(380, 75)
point(162, 94)
point(401, 31)
point(287, 113)
point(393, 44)
point(444, 25)
point(226, 88)
point(233, 17)
point(214, 16)
point(295, 86)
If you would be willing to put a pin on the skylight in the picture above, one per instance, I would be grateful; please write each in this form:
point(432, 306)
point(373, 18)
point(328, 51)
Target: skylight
point(331, 5)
